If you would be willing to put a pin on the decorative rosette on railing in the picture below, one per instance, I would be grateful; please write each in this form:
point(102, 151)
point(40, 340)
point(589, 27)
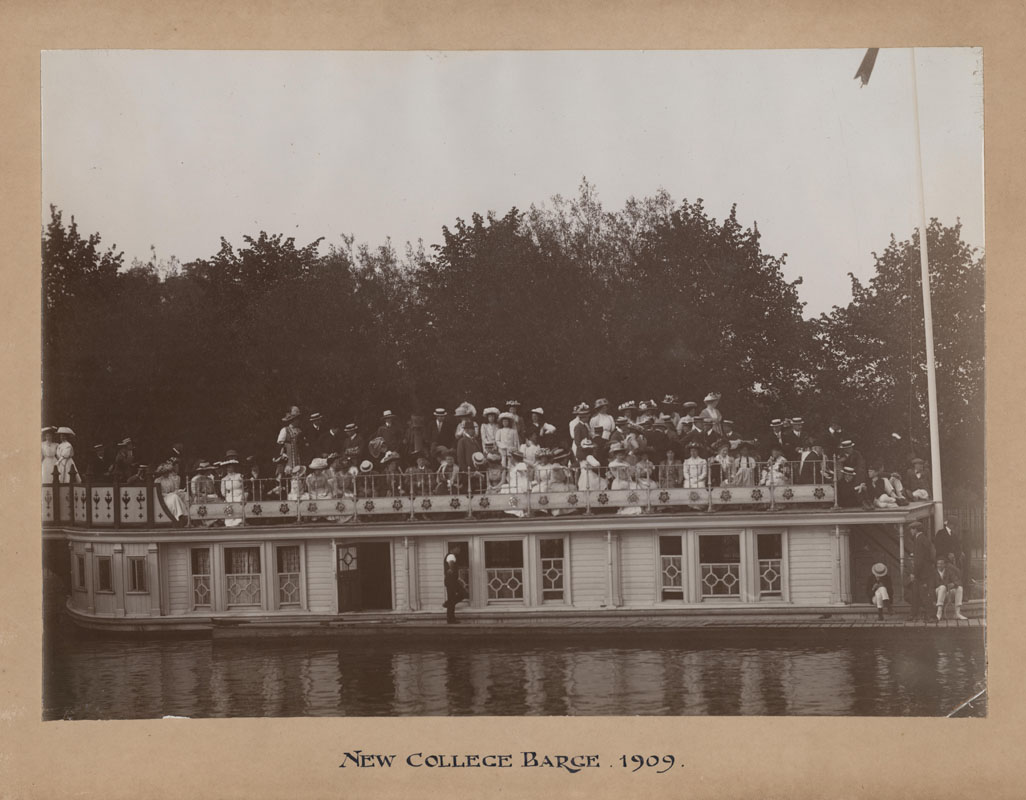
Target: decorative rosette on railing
point(484, 502)
point(788, 493)
point(694, 497)
point(819, 494)
point(664, 496)
point(632, 497)
point(573, 500)
point(368, 505)
point(543, 500)
point(256, 510)
point(725, 495)
point(455, 503)
point(284, 508)
point(603, 498)
point(201, 511)
point(425, 504)
point(757, 495)
point(397, 504)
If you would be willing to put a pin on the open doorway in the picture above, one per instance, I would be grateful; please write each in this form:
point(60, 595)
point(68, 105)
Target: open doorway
point(364, 575)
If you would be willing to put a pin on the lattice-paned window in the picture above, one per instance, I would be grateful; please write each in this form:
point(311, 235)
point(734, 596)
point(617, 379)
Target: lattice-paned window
point(504, 570)
point(720, 560)
point(242, 576)
point(288, 575)
point(104, 577)
point(771, 578)
point(671, 560)
point(552, 569)
point(137, 574)
point(200, 558)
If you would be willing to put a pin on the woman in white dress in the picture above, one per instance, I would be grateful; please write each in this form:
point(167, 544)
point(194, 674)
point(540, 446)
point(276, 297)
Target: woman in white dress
point(49, 454)
point(621, 476)
point(519, 480)
point(170, 482)
point(66, 456)
point(696, 469)
point(233, 490)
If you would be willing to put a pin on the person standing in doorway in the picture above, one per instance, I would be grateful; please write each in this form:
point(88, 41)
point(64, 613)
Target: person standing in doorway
point(453, 589)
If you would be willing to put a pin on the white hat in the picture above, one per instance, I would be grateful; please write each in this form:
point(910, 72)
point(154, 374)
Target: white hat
point(712, 396)
point(65, 429)
point(387, 415)
point(491, 410)
point(539, 410)
point(879, 569)
point(478, 458)
point(319, 463)
point(450, 559)
point(391, 455)
point(507, 415)
point(366, 466)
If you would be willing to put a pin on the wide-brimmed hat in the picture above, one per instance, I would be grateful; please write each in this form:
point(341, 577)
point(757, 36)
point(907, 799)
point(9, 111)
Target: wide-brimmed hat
point(797, 421)
point(630, 405)
point(712, 396)
point(478, 458)
point(776, 422)
point(319, 463)
point(491, 410)
point(669, 400)
point(847, 443)
point(441, 412)
point(126, 442)
point(879, 569)
point(516, 454)
point(388, 415)
point(298, 472)
point(689, 404)
point(644, 406)
point(558, 454)
point(465, 409)
point(391, 455)
point(539, 411)
point(316, 416)
point(64, 429)
point(507, 415)
point(229, 462)
point(515, 403)
point(366, 466)
point(48, 429)
point(293, 413)
point(602, 401)
point(617, 447)
point(204, 466)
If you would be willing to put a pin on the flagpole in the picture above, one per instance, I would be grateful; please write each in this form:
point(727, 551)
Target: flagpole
point(924, 265)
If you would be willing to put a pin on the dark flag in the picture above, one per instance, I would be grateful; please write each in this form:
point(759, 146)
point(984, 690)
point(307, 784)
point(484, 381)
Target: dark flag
point(866, 67)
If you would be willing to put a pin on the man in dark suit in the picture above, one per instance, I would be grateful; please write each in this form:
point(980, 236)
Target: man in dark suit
point(440, 431)
point(99, 465)
point(794, 438)
point(353, 444)
point(808, 466)
point(945, 582)
point(947, 542)
point(850, 457)
point(319, 442)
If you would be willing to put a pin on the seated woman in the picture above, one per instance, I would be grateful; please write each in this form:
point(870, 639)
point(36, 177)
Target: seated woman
point(475, 479)
point(591, 478)
point(671, 471)
point(169, 482)
point(776, 472)
point(645, 470)
point(447, 477)
point(561, 479)
point(621, 474)
point(721, 466)
point(744, 466)
point(233, 490)
point(542, 471)
point(495, 473)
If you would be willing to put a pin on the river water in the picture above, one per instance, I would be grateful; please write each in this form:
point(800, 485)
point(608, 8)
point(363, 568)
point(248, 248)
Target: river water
point(705, 673)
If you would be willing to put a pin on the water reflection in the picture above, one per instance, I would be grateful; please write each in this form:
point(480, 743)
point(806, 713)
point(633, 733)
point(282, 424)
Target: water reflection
point(89, 678)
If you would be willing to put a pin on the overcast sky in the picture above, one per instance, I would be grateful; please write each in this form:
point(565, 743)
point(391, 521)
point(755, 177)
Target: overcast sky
point(176, 149)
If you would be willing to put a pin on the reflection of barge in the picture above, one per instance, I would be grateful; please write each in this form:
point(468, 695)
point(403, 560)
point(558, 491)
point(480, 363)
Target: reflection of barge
point(740, 551)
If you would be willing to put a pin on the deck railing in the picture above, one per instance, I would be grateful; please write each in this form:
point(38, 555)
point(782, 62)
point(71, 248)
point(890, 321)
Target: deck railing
point(348, 498)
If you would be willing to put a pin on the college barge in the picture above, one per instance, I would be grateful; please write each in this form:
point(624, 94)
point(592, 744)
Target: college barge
point(292, 564)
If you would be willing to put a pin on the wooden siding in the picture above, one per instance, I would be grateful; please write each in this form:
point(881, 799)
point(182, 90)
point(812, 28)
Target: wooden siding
point(812, 564)
point(179, 581)
point(430, 558)
point(589, 574)
point(637, 568)
point(321, 592)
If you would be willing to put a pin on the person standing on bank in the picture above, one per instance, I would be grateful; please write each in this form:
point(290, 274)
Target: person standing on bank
point(453, 589)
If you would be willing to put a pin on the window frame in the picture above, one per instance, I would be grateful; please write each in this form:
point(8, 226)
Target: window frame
point(130, 575)
point(99, 561)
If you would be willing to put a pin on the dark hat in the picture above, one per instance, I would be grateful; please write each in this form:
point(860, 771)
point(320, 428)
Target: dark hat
point(232, 454)
point(602, 401)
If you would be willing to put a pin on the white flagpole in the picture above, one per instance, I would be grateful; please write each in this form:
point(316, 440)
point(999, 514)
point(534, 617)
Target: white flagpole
point(924, 264)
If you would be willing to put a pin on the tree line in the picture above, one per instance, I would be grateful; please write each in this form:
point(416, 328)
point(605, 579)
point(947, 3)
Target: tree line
point(559, 303)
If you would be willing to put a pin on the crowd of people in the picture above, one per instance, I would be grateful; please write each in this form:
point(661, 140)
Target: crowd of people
point(645, 445)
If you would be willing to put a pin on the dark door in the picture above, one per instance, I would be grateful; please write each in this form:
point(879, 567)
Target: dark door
point(348, 577)
point(376, 575)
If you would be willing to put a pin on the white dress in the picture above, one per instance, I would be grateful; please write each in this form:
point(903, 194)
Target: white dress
point(65, 461)
point(172, 497)
point(695, 472)
point(233, 490)
point(49, 460)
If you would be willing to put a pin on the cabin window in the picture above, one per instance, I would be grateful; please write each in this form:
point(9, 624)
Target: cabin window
point(771, 580)
point(104, 580)
point(720, 559)
point(671, 555)
point(200, 577)
point(504, 570)
point(552, 571)
point(288, 575)
point(80, 573)
point(242, 576)
point(137, 574)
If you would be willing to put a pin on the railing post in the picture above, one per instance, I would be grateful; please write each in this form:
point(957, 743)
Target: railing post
point(150, 499)
point(837, 503)
point(55, 490)
point(413, 508)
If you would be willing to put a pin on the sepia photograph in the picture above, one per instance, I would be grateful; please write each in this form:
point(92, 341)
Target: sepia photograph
point(554, 383)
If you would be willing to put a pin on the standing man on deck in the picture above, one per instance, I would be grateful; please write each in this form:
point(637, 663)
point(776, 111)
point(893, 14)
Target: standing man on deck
point(453, 589)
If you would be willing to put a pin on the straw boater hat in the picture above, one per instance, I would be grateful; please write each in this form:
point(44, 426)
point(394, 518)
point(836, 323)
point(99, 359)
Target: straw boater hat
point(293, 413)
point(366, 466)
point(776, 422)
point(126, 442)
point(879, 570)
point(797, 421)
point(587, 444)
point(848, 470)
point(441, 412)
point(319, 463)
point(847, 443)
point(350, 427)
point(491, 410)
point(99, 446)
point(507, 415)
point(65, 430)
point(316, 416)
point(298, 472)
point(391, 455)
point(478, 458)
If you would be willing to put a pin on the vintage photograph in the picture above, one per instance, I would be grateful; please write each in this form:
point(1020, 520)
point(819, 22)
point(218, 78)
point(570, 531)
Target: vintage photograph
point(513, 383)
